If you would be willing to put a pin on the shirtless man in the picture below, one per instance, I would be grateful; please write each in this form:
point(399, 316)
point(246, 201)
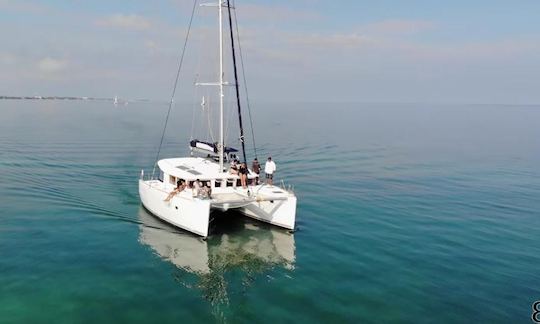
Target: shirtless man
point(180, 185)
point(196, 189)
point(206, 191)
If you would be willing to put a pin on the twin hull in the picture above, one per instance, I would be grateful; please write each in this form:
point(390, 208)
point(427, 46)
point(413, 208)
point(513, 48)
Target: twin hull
point(193, 214)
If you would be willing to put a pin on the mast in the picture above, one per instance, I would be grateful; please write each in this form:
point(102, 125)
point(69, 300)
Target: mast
point(221, 140)
point(236, 85)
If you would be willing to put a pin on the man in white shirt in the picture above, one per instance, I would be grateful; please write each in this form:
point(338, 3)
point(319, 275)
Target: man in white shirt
point(269, 169)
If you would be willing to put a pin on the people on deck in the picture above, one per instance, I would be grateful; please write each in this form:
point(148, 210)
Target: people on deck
point(180, 186)
point(269, 169)
point(196, 187)
point(243, 171)
point(206, 190)
point(234, 167)
point(256, 167)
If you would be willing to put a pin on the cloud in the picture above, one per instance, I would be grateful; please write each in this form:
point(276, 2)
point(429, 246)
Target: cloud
point(7, 58)
point(275, 13)
point(398, 26)
point(128, 22)
point(150, 44)
point(51, 65)
point(503, 50)
point(22, 6)
point(332, 40)
point(381, 34)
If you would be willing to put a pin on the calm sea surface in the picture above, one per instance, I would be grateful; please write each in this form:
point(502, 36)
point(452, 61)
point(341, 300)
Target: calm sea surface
point(406, 213)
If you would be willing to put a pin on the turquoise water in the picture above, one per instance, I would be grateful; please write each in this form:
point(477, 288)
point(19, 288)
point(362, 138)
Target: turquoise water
point(407, 213)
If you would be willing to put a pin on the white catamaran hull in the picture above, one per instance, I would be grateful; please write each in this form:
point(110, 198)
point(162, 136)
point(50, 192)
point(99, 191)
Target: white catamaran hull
point(193, 214)
point(278, 212)
point(190, 214)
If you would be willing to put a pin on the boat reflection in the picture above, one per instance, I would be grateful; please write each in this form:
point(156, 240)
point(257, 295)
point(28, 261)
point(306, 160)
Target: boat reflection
point(241, 245)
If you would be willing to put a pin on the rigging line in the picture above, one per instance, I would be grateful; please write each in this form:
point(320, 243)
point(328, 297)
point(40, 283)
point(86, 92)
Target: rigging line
point(228, 114)
point(245, 82)
point(206, 122)
point(196, 92)
point(236, 83)
point(210, 134)
point(175, 84)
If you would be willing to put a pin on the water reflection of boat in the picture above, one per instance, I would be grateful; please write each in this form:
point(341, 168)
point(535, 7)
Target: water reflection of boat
point(254, 248)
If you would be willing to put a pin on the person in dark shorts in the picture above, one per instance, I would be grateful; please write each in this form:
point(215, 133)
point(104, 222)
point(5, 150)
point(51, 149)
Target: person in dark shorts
point(243, 172)
point(256, 167)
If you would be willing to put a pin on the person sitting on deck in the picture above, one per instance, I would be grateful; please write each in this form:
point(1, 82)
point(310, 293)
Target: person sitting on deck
point(196, 188)
point(234, 167)
point(180, 185)
point(243, 171)
point(206, 191)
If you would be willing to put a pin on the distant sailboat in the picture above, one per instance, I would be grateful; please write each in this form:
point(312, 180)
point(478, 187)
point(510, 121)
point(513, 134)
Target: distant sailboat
point(117, 101)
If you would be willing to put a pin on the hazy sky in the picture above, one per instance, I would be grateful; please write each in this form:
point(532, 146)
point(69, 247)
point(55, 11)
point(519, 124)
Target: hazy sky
point(475, 51)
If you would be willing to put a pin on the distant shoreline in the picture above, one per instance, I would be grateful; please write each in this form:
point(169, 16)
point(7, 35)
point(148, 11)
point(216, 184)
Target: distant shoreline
point(52, 98)
point(343, 103)
point(116, 100)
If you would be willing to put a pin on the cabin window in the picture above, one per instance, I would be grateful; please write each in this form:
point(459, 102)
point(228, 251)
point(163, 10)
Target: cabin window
point(217, 183)
point(172, 180)
point(230, 182)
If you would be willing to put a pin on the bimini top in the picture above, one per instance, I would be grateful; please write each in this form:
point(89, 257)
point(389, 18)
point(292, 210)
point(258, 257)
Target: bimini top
point(193, 168)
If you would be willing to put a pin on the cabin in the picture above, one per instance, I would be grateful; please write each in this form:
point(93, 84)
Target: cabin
point(206, 170)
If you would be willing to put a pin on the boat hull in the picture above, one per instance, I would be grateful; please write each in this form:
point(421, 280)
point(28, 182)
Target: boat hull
point(190, 214)
point(281, 213)
point(193, 214)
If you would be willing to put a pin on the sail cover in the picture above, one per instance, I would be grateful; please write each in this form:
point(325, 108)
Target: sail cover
point(211, 148)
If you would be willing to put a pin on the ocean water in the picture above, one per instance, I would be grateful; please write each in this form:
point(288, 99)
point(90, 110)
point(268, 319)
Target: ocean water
point(408, 213)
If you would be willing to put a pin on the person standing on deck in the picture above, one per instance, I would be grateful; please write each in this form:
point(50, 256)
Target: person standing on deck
point(256, 167)
point(234, 167)
point(243, 171)
point(269, 169)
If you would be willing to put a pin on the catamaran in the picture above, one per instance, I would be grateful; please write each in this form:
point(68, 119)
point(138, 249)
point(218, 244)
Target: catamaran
point(209, 164)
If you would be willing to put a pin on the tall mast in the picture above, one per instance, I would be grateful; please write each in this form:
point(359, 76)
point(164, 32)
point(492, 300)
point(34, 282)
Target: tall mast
point(221, 140)
point(236, 85)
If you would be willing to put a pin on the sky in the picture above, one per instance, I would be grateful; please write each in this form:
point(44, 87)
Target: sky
point(479, 52)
